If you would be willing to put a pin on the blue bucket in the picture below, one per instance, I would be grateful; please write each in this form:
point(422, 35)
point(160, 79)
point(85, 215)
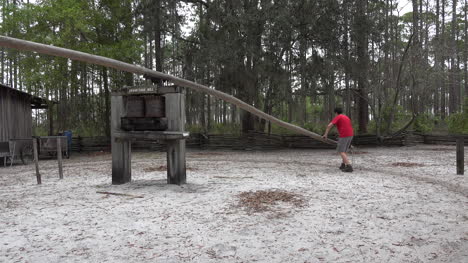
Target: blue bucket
point(69, 140)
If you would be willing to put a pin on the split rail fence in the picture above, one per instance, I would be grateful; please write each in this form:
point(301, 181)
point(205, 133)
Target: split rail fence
point(263, 141)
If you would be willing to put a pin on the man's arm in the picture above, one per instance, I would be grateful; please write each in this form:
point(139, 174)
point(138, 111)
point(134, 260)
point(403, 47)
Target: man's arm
point(329, 126)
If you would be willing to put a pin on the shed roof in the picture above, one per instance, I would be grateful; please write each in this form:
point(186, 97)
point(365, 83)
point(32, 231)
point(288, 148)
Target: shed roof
point(36, 102)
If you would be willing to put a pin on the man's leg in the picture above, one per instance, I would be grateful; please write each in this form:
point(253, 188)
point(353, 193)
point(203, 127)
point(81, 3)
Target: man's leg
point(348, 168)
point(344, 157)
point(340, 148)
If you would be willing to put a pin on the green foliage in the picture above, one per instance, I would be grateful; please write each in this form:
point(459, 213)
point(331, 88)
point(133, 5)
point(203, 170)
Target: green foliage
point(313, 109)
point(407, 17)
point(89, 130)
point(400, 118)
point(275, 129)
point(194, 128)
point(40, 130)
point(217, 128)
point(424, 123)
point(230, 128)
point(372, 126)
point(318, 128)
point(458, 123)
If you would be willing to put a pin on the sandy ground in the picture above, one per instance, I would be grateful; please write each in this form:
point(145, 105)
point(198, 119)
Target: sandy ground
point(400, 205)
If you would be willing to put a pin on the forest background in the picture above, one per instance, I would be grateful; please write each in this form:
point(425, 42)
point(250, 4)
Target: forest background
point(295, 60)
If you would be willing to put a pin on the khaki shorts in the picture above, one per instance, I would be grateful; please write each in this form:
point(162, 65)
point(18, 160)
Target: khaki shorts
point(343, 144)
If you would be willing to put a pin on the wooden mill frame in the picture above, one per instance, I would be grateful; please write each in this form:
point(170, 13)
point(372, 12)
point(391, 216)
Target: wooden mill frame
point(174, 135)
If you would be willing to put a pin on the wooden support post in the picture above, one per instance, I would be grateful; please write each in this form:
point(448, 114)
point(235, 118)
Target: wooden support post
point(460, 155)
point(50, 117)
point(36, 161)
point(176, 170)
point(121, 150)
point(59, 156)
point(175, 114)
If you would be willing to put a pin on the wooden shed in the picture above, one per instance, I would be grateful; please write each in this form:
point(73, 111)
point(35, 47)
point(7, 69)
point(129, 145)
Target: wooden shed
point(16, 113)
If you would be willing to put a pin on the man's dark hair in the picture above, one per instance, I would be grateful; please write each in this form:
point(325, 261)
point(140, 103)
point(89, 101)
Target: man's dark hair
point(338, 110)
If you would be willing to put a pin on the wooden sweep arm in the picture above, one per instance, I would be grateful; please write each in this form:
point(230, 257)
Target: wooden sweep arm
point(19, 44)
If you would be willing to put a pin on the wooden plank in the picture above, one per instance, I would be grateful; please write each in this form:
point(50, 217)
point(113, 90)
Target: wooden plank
point(147, 89)
point(135, 106)
point(36, 161)
point(59, 157)
point(151, 89)
point(120, 194)
point(460, 156)
point(155, 106)
point(121, 150)
point(140, 89)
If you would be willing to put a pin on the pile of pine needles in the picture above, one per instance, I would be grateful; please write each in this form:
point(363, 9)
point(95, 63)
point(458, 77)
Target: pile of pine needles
point(262, 201)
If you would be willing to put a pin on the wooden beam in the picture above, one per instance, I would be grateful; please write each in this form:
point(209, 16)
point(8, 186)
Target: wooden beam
point(112, 63)
point(120, 194)
point(36, 161)
point(59, 157)
point(460, 155)
point(176, 164)
point(50, 117)
point(121, 150)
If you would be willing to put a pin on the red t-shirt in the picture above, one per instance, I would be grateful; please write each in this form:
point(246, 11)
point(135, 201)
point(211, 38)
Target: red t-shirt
point(343, 124)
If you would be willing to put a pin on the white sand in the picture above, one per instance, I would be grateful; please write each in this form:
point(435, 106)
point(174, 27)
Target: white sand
point(379, 213)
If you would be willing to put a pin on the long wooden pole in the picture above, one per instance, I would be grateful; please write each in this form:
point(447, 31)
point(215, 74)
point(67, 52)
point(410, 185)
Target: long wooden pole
point(19, 44)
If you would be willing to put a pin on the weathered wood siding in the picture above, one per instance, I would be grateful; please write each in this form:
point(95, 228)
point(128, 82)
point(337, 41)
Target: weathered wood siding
point(15, 114)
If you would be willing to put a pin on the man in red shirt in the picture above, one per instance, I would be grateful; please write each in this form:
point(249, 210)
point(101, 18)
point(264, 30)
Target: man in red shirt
point(345, 130)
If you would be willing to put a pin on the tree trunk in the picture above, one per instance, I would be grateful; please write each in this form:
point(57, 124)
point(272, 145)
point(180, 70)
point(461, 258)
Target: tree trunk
point(465, 55)
point(453, 98)
point(443, 107)
point(157, 37)
point(362, 60)
point(436, 79)
point(347, 62)
point(416, 53)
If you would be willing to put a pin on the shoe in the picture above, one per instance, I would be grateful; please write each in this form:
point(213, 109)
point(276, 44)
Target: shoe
point(342, 166)
point(348, 169)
